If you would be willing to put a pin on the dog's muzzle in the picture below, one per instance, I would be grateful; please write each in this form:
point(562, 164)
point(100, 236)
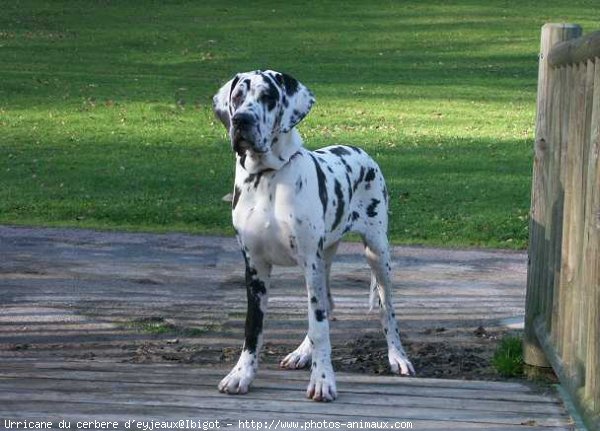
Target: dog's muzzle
point(244, 134)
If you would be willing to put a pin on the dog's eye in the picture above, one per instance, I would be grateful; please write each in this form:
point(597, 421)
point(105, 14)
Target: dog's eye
point(268, 99)
point(236, 99)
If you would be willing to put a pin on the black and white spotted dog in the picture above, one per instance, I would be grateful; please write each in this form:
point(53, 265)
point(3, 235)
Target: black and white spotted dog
point(292, 206)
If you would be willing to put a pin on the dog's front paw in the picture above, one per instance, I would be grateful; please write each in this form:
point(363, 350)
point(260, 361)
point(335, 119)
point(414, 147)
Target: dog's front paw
point(299, 358)
point(322, 385)
point(399, 363)
point(238, 380)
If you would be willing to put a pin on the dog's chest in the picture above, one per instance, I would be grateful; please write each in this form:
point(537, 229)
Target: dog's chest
point(263, 217)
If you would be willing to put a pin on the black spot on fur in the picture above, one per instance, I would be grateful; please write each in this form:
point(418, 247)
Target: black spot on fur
point(339, 151)
point(250, 272)
point(370, 175)
point(355, 216)
point(255, 289)
point(319, 315)
point(347, 166)
point(254, 178)
point(322, 184)
point(349, 187)
point(299, 184)
point(361, 176)
point(243, 160)
point(290, 84)
point(313, 299)
point(235, 81)
point(271, 96)
point(339, 211)
point(236, 196)
point(356, 150)
point(371, 209)
point(321, 242)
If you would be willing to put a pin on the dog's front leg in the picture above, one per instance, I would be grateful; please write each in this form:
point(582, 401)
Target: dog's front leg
point(257, 283)
point(322, 378)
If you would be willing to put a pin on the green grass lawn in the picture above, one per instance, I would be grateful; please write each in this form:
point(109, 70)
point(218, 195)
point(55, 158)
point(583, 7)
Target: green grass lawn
point(106, 122)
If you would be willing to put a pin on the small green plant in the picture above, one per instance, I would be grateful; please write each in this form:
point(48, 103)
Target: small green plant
point(152, 325)
point(508, 358)
point(157, 325)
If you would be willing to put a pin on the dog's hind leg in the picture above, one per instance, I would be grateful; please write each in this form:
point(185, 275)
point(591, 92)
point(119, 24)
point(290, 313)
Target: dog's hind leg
point(378, 256)
point(257, 284)
point(300, 357)
point(329, 253)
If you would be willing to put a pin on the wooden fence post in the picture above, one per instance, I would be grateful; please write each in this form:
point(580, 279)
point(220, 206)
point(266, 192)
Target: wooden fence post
point(538, 300)
point(592, 254)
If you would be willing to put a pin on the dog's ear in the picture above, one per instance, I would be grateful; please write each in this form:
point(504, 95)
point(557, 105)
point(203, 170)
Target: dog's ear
point(221, 101)
point(297, 101)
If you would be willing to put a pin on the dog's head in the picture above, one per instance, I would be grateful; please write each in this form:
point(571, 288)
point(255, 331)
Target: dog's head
point(256, 107)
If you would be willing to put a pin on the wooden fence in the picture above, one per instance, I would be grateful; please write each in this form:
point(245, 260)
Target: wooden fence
point(562, 323)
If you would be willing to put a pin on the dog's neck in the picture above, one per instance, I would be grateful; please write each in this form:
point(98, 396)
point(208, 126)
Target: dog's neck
point(284, 147)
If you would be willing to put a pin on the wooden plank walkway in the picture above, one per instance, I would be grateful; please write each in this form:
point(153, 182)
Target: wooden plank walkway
point(82, 294)
point(110, 325)
point(88, 391)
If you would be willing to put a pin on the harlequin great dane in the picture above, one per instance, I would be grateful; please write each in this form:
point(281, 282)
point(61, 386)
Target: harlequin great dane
point(292, 206)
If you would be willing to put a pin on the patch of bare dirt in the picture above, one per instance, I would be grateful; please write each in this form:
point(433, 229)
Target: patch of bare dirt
point(453, 355)
point(458, 359)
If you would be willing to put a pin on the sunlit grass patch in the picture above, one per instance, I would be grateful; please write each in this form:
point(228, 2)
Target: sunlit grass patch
point(106, 122)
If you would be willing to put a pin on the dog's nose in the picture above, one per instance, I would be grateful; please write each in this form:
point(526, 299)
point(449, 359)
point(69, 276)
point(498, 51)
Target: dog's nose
point(242, 120)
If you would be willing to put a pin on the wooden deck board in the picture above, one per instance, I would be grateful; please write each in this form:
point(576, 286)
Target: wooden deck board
point(70, 350)
point(87, 390)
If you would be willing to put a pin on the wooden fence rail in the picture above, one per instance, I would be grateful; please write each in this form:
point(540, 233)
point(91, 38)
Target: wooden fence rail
point(562, 323)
